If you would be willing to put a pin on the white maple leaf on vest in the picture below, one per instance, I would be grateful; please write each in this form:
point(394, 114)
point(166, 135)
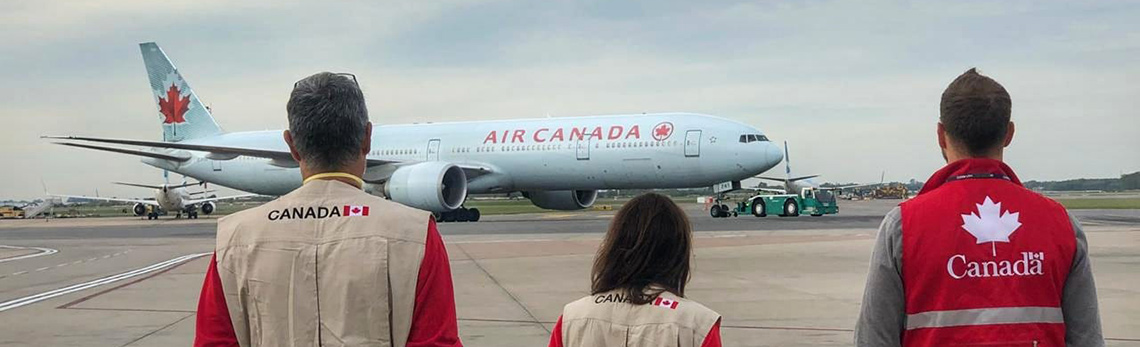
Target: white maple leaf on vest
point(990, 225)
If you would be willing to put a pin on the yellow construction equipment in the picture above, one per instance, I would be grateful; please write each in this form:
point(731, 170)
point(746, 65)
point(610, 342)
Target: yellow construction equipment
point(11, 212)
point(891, 191)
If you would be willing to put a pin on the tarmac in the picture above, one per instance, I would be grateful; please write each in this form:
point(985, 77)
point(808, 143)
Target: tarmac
point(776, 281)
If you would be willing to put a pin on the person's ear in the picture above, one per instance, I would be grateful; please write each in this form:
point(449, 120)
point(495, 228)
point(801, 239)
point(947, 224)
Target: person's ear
point(941, 136)
point(1008, 135)
point(292, 148)
point(366, 147)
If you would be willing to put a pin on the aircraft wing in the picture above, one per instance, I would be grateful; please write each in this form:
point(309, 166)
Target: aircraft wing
point(135, 201)
point(793, 179)
point(770, 190)
point(171, 157)
point(850, 186)
point(216, 198)
point(379, 170)
point(279, 157)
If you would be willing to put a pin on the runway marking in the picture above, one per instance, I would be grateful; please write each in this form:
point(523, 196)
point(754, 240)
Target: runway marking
point(42, 252)
point(71, 304)
point(66, 264)
point(557, 216)
point(31, 299)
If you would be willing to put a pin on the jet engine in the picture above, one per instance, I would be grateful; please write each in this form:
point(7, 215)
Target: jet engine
point(564, 200)
point(208, 207)
point(434, 186)
point(139, 209)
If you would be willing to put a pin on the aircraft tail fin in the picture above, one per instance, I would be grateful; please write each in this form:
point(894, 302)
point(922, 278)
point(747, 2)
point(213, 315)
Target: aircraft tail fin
point(787, 163)
point(183, 115)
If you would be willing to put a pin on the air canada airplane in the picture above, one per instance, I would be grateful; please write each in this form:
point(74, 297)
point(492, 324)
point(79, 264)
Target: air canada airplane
point(558, 163)
point(169, 198)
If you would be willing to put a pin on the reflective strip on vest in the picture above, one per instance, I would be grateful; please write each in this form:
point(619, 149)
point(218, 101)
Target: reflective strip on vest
point(984, 316)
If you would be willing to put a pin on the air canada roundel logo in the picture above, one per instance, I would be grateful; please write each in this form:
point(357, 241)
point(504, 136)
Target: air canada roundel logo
point(662, 131)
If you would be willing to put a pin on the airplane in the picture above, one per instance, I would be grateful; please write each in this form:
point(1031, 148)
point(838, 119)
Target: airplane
point(557, 163)
point(794, 185)
point(170, 198)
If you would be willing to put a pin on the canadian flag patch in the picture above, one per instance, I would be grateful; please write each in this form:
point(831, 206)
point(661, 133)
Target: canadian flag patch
point(671, 304)
point(355, 210)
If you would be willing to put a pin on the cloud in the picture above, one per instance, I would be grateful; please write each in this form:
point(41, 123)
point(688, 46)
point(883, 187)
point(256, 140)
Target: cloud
point(845, 83)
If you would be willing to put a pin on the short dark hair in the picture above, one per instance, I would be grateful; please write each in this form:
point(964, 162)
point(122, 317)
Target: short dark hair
point(646, 250)
point(327, 119)
point(975, 111)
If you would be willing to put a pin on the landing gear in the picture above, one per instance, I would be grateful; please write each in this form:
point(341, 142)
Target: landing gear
point(461, 214)
point(151, 216)
point(192, 215)
point(721, 211)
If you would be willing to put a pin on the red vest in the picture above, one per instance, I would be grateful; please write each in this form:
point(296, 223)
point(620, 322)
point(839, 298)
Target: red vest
point(984, 260)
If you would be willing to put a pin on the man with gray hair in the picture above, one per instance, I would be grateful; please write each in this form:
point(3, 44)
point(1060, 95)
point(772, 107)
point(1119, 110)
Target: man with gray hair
point(328, 264)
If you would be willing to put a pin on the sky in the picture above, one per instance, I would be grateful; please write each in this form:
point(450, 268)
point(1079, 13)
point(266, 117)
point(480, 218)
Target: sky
point(852, 86)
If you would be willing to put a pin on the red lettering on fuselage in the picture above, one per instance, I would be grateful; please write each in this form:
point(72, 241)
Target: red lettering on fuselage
point(537, 138)
point(597, 133)
point(613, 132)
point(577, 132)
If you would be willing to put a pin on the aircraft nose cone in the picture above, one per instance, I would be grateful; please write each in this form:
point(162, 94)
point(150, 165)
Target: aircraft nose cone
point(774, 155)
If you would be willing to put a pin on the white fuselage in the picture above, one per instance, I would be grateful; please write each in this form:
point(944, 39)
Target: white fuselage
point(674, 150)
point(172, 199)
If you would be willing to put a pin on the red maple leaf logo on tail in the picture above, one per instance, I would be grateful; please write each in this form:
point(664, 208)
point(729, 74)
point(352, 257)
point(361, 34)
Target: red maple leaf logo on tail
point(174, 106)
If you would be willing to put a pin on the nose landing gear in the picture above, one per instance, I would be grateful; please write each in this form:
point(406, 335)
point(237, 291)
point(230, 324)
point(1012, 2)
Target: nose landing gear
point(719, 209)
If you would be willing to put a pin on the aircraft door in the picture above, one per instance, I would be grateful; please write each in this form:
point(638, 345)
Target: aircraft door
point(583, 148)
point(433, 150)
point(217, 165)
point(693, 143)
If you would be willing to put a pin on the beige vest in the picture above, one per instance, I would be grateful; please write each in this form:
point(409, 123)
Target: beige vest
point(298, 272)
point(606, 319)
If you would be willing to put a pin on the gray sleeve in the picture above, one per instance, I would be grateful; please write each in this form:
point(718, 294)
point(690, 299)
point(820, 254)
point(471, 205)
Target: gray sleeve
point(1078, 301)
point(882, 317)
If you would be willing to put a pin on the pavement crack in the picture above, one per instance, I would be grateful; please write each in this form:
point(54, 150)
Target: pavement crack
point(533, 318)
point(157, 330)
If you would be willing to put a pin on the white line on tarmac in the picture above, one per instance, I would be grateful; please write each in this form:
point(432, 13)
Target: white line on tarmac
point(42, 251)
point(31, 299)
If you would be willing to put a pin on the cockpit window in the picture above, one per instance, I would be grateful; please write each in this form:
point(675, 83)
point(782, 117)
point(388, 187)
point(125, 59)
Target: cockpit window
point(746, 138)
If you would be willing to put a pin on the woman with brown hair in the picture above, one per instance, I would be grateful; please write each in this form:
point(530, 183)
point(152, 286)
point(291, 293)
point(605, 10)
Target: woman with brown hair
point(638, 287)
